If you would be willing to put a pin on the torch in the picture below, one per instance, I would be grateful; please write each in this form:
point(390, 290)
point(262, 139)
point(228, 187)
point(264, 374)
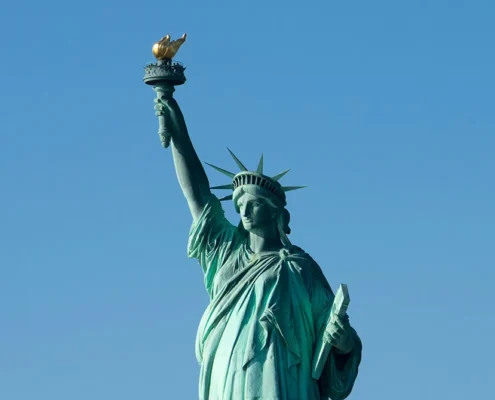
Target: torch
point(163, 76)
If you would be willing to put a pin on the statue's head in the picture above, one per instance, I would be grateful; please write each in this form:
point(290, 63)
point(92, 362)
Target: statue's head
point(260, 210)
point(259, 199)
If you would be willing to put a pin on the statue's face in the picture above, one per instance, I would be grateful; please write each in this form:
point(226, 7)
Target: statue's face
point(255, 212)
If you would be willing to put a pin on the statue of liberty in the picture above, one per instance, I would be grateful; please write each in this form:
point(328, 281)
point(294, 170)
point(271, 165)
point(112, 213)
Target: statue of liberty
point(270, 304)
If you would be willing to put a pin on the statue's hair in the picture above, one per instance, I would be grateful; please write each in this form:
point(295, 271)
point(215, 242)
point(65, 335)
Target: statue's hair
point(282, 214)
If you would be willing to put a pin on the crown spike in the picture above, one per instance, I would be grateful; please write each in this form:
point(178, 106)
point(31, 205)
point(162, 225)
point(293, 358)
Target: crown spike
point(277, 177)
point(289, 188)
point(259, 170)
point(223, 171)
point(238, 162)
point(229, 197)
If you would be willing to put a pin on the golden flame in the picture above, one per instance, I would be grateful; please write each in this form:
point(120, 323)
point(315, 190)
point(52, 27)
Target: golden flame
point(166, 49)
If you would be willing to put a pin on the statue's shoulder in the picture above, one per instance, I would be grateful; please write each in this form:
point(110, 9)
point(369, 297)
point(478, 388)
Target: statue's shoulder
point(309, 268)
point(298, 254)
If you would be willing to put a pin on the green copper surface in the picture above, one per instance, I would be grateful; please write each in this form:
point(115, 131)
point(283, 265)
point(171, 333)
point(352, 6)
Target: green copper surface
point(272, 329)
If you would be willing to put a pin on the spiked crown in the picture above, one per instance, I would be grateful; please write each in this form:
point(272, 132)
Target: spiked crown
point(257, 178)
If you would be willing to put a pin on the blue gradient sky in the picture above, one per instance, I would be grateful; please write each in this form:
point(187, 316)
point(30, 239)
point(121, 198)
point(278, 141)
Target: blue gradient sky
point(385, 109)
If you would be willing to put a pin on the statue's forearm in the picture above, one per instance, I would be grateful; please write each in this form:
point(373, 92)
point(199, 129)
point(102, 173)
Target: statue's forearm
point(190, 172)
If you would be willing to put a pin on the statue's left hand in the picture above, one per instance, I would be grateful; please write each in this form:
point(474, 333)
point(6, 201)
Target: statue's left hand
point(340, 334)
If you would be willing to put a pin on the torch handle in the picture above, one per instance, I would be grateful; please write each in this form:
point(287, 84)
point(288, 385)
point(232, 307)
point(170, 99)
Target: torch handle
point(164, 91)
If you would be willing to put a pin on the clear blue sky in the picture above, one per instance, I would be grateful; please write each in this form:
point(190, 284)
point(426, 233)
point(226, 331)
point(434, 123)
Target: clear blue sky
point(385, 109)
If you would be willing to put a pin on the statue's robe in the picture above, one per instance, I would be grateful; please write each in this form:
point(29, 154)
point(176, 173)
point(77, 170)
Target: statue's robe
point(257, 337)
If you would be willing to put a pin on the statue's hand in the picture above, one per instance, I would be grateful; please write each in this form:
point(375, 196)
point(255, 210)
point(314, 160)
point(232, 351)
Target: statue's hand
point(340, 334)
point(160, 107)
point(172, 117)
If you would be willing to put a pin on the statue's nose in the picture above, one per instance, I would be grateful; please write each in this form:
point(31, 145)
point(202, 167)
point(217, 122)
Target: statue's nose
point(244, 211)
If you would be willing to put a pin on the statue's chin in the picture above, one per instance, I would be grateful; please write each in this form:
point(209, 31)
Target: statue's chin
point(258, 227)
point(257, 230)
point(247, 226)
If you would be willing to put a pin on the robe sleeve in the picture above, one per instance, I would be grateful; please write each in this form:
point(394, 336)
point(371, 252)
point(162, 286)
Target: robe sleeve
point(210, 240)
point(340, 370)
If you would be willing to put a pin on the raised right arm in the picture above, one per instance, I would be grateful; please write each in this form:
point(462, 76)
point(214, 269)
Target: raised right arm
point(190, 172)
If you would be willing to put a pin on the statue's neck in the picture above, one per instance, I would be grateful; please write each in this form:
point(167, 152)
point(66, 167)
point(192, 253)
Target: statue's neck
point(268, 241)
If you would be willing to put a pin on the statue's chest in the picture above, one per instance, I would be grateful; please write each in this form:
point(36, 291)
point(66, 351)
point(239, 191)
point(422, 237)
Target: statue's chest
point(246, 271)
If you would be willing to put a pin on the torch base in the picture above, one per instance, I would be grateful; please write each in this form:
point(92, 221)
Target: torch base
point(162, 71)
